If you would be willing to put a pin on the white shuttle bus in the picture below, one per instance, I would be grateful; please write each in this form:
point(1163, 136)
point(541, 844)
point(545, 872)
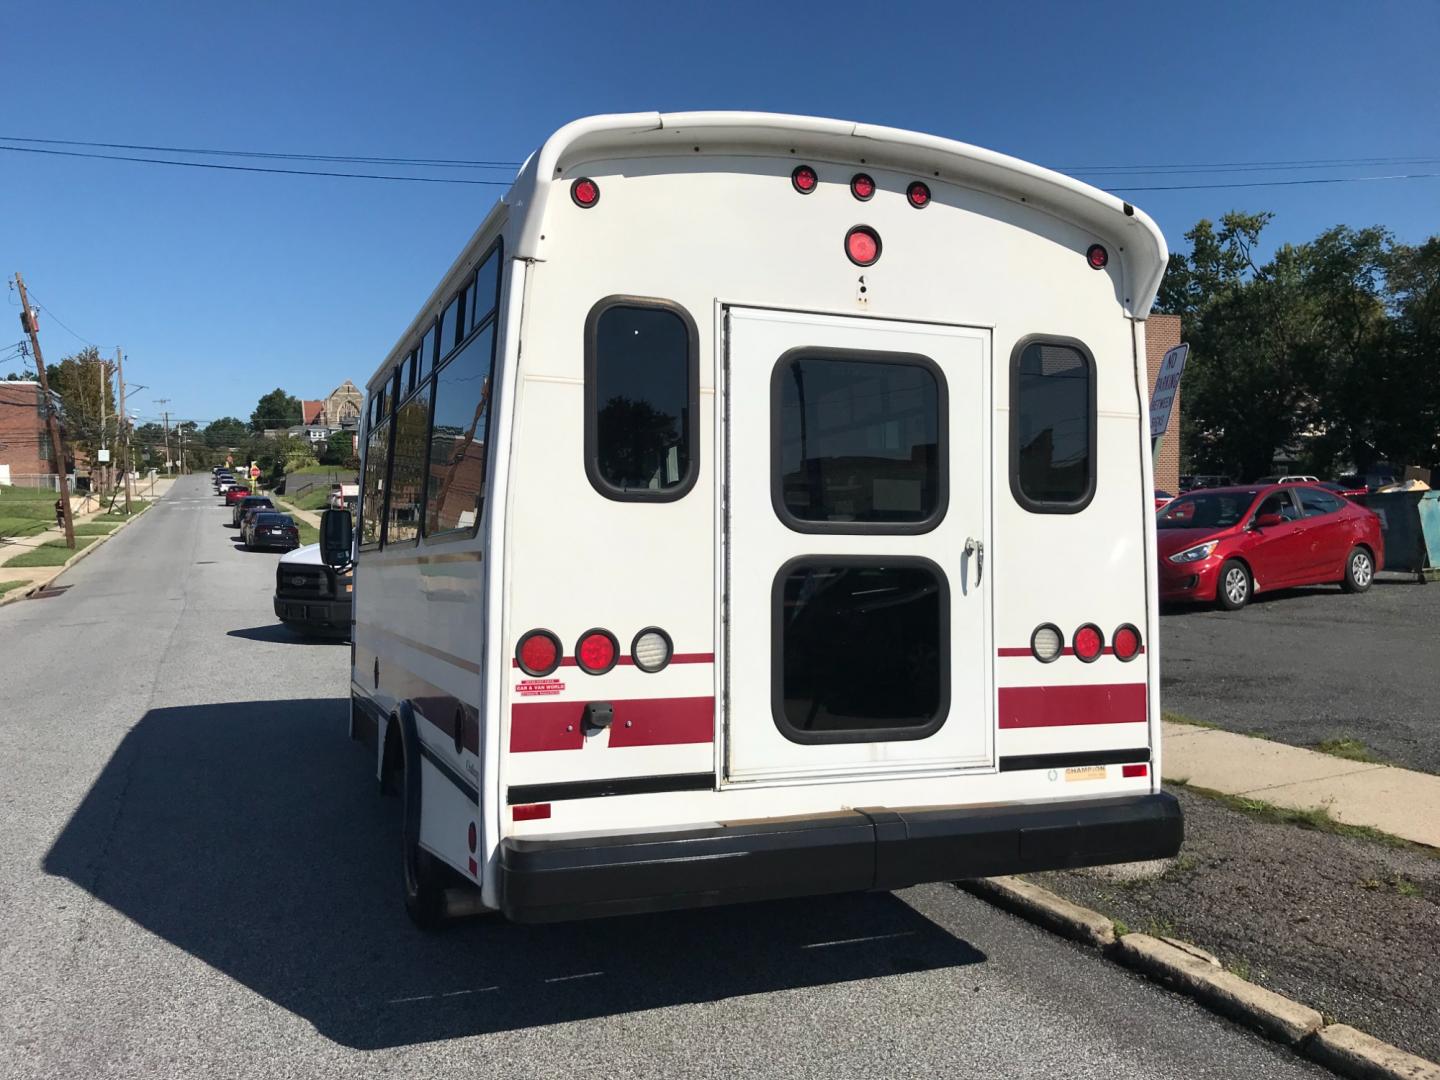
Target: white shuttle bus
point(760, 506)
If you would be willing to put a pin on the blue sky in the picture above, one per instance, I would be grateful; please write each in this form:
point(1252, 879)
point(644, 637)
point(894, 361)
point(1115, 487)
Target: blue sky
point(221, 286)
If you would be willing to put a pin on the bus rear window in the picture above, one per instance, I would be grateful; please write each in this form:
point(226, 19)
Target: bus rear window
point(1052, 426)
point(641, 400)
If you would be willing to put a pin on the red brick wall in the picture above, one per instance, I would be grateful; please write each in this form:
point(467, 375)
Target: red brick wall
point(22, 430)
point(1162, 332)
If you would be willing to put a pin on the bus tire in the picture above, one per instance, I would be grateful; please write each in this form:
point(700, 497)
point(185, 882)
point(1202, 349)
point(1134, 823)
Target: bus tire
point(1359, 570)
point(422, 875)
point(1232, 590)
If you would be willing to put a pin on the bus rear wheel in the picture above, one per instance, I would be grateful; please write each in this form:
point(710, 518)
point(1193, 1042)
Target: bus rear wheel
point(421, 873)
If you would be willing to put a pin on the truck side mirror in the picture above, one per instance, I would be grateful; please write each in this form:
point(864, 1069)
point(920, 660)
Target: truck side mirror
point(337, 538)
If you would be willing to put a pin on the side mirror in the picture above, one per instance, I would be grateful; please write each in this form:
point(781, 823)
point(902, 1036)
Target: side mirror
point(1268, 521)
point(337, 538)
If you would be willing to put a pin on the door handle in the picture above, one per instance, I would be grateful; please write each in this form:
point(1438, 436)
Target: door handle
point(976, 548)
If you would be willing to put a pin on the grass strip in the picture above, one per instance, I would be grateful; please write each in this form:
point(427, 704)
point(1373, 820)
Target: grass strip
point(50, 553)
point(96, 528)
point(1189, 721)
point(1349, 749)
point(6, 586)
point(1316, 819)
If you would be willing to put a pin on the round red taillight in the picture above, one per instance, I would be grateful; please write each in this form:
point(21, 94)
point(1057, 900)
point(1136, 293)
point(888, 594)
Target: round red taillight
point(804, 179)
point(1097, 257)
point(538, 653)
point(1088, 642)
point(862, 187)
point(472, 837)
point(1126, 642)
point(596, 652)
point(919, 194)
point(585, 192)
point(862, 245)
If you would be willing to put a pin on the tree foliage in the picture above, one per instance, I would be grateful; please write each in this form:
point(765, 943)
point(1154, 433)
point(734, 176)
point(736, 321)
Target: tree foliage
point(276, 409)
point(1320, 352)
point(339, 448)
point(227, 432)
point(87, 397)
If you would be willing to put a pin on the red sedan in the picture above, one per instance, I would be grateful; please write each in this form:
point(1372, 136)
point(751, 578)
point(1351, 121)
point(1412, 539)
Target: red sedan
point(1226, 544)
point(235, 494)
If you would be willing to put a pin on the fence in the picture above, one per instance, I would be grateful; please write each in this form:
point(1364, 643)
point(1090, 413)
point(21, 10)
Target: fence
point(29, 480)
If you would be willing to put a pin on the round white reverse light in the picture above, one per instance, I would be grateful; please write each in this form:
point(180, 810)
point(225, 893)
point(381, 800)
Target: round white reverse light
point(651, 650)
point(1046, 643)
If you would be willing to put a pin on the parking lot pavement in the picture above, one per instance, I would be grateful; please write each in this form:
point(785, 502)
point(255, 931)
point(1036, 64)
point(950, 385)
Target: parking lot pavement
point(197, 878)
point(1306, 665)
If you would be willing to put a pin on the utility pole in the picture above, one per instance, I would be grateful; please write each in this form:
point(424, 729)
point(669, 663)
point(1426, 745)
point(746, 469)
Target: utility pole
point(124, 428)
point(166, 414)
point(31, 324)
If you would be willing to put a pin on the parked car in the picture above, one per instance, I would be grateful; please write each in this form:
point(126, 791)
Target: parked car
point(1226, 544)
point(267, 529)
point(234, 493)
point(1293, 479)
point(250, 502)
point(248, 516)
point(310, 598)
point(1161, 498)
point(1199, 482)
point(223, 481)
point(1341, 488)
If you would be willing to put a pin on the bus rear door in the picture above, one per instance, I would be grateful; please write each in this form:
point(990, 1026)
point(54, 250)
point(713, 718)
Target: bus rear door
point(858, 551)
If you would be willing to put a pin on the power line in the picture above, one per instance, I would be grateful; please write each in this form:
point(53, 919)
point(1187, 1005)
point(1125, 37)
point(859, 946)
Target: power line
point(1275, 183)
point(437, 163)
point(1248, 166)
point(255, 168)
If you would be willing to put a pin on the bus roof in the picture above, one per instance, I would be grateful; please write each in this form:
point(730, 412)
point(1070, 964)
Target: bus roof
point(653, 133)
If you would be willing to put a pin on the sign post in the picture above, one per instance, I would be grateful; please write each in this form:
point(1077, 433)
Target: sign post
point(1162, 398)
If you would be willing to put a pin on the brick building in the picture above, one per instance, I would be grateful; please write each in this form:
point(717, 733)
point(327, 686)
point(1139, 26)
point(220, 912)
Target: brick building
point(1162, 333)
point(25, 450)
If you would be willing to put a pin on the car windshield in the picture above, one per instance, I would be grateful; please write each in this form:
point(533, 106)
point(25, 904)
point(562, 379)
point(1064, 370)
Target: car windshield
point(1205, 510)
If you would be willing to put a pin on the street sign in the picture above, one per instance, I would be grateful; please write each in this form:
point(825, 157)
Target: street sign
point(1167, 385)
point(104, 457)
point(254, 472)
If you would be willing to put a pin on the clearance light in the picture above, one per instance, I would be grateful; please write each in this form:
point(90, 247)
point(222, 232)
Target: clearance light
point(1088, 643)
point(538, 653)
point(471, 838)
point(804, 179)
point(1130, 772)
point(919, 194)
point(862, 187)
point(596, 652)
point(1126, 642)
point(531, 812)
point(862, 245)
point(1097, 257)
point(1046, 644)
point(651, 650)
point(585, 192)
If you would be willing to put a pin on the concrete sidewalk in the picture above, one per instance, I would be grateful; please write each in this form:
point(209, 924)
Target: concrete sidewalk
point(1397, 801)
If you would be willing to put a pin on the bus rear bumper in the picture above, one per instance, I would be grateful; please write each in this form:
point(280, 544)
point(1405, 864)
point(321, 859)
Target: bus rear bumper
point(550, 880)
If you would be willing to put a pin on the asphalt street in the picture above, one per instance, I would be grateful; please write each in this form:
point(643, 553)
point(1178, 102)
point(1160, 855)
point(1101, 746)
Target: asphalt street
point(1305, 665)
point(198, 878)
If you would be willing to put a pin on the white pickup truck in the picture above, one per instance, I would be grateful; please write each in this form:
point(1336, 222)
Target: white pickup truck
point(310, 598)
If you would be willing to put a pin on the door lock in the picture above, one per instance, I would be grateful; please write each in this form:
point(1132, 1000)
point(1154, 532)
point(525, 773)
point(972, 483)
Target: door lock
point(976, 548)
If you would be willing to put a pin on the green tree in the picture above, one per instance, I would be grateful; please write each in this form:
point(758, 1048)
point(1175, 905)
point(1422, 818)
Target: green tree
point(226, 432)
point(276, 409)
point(87, 395)
point(339, 448)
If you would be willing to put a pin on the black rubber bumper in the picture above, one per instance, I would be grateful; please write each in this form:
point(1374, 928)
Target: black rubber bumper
point(327, 615)
point(847, 851)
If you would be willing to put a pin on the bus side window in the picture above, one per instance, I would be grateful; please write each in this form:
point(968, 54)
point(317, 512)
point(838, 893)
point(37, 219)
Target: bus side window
point(377, 460)
point(455, 494)
point(1052, 425)
point(641, 399)
point(407, 468)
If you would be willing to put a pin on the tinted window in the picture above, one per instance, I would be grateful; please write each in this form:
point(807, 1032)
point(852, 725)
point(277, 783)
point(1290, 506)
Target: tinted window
point(861, 650)
point(487, 288)
point(377, 452)
point(1278, 503)
point(407, 469)
point(412, 372)
point(450, 329)
point(274, 519)
point(427, 351)
point(1052, 427)
point(1314, 502)
point(857, 441)
point(639, 378)
point(456, 492)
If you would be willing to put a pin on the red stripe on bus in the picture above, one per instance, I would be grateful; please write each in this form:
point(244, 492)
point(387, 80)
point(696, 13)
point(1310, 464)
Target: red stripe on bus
point(558, 725)
point(663, 721)
point(546, 725)
point(1063, 706)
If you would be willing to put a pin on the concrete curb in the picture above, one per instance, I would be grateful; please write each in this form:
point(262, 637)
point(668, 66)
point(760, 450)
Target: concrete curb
point(1195, 973)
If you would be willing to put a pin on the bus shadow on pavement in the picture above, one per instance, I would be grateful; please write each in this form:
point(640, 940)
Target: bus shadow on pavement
point(250, 835)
